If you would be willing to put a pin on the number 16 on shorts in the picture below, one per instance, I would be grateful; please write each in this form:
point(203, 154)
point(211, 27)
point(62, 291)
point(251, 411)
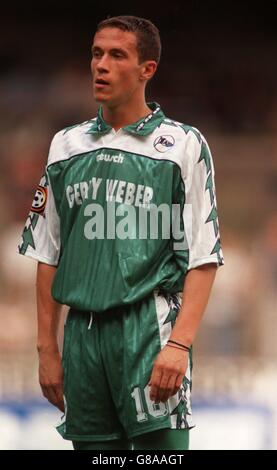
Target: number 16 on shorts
point(147, 406)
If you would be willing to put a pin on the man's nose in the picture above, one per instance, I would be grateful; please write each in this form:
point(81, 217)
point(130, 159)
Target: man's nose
point(103, 64)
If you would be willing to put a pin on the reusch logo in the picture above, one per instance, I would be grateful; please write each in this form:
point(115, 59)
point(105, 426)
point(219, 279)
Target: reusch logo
point(110, 158)
point(163, 143)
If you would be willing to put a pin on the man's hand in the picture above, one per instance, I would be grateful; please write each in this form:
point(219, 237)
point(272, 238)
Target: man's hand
point(51, 377)
point(168, 372)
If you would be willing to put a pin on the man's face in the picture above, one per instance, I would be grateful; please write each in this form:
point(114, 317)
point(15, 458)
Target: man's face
point(115, 66)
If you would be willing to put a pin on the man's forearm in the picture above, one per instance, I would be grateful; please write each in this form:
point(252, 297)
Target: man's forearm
point(50, 365)
point(196, 294)
point(48, 310)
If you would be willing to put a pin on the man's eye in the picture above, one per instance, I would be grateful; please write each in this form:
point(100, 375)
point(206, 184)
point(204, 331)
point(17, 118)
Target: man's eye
point(95, 54)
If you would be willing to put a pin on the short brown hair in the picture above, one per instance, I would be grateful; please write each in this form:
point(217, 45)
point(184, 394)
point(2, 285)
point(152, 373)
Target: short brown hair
point(148, 36)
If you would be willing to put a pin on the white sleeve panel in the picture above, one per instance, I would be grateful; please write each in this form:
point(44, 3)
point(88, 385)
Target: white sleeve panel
point(41, 234)
point(200, 212)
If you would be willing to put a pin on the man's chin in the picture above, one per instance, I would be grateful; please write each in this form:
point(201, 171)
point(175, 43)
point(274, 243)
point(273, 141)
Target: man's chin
point(107, 101)
point(99, 100)
point(102, 99)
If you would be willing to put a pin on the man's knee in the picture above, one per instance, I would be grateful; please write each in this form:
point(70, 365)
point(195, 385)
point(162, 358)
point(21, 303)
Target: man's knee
point(117, 444)
point(163, 439)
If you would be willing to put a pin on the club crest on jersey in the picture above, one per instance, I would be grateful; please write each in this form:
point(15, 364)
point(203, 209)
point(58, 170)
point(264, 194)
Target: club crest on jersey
point(163, 143)
point(39, 201)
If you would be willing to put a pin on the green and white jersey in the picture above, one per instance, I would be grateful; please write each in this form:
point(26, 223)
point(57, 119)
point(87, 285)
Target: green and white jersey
point(106, 208)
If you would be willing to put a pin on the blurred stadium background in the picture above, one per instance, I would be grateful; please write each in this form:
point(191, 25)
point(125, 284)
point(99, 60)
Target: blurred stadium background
point(218, 73)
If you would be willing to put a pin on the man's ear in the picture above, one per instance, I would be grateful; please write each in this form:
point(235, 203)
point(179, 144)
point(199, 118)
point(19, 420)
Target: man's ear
point(148, 69)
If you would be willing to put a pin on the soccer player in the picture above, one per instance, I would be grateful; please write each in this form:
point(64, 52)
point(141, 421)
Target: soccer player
point(125, 231)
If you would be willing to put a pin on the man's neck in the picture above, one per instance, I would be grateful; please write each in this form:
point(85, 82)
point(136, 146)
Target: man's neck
point(124, 115)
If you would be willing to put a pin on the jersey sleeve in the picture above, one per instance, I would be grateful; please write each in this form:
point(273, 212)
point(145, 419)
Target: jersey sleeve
point(200, 216)
point(40, 238)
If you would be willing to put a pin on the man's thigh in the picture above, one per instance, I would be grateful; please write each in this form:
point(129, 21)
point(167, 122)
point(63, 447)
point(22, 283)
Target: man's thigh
point(90, 412)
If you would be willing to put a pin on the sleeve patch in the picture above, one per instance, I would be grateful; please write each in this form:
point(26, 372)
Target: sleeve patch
point(40, 199)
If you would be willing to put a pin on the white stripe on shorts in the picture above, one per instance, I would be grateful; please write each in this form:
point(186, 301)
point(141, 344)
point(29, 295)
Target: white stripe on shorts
point(180, 403)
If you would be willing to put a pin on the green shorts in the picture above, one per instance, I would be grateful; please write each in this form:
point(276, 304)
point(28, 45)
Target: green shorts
point(108, 359)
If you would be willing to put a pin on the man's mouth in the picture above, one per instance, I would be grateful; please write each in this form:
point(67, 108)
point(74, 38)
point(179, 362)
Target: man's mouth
point(101, 82)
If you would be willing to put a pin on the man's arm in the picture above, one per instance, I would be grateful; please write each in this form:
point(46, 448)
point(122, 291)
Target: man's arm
point(171, 363)
point(49, 313)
